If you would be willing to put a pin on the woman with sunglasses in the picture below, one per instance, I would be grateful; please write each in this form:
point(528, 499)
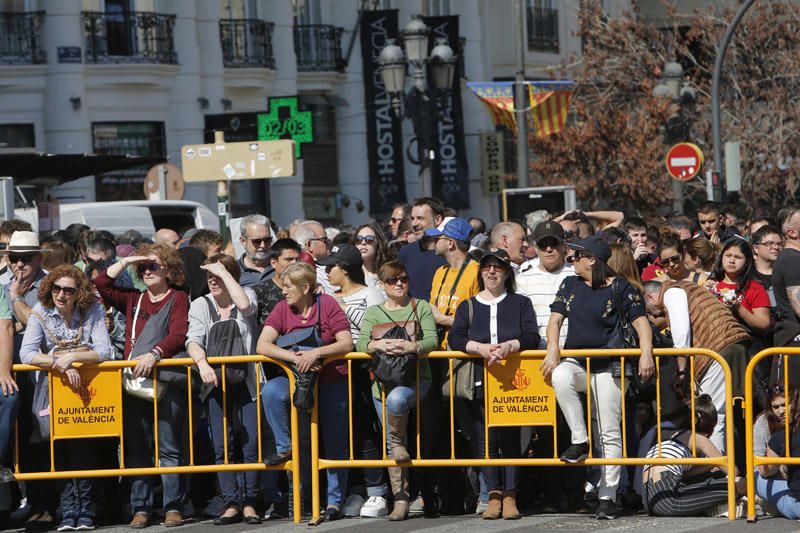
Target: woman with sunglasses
point(588, 300)
point(493, 324)
point(673, 258)
point(69, 325)
point(374, 248)
point(156, 325)
point(400, 399)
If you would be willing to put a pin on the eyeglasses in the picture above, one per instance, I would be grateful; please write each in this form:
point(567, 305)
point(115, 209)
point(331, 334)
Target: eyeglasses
point(670, 260)
point(152, 267)
point(69, 291)
point(493, 267)
point(368, 239)
point(321, 239)
point(393, 280)
point(21, 258)
point(547, 243)
point(771, 244)
point(258, 243)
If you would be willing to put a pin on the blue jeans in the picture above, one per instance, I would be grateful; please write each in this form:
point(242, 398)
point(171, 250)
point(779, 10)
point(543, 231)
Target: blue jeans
point(400, 400)
point(776, 491)
point(76, 494)
point(9, 407)
point(139, 448)
point(242, 413)
point(332, 402)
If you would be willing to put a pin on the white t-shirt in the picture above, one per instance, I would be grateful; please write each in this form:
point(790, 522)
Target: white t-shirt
point(541, 286)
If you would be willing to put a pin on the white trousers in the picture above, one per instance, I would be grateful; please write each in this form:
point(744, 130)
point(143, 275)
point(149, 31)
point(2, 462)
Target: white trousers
point(569, 379)
point(713, 384)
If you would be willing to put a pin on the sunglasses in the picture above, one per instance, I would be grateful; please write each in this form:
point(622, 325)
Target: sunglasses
point(493, 267)
point(368, 239)
point(258, 243)
point(69, 291)
point(152, 267)
point(21, 258)
point(394, 220)
point(577, 256)
point(393, 280)
point(676, 259)
point(321, 239)
point(568, 234)
point(547, 243)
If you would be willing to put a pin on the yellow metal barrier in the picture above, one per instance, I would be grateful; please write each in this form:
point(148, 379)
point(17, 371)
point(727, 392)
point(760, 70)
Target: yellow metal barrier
point(115, 368)
point(754, 462)
point(727, 460)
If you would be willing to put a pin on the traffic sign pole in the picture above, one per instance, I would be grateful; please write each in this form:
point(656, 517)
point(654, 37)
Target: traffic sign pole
point(222, 195)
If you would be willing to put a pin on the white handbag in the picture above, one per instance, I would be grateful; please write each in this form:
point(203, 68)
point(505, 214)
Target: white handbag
point(141, 387)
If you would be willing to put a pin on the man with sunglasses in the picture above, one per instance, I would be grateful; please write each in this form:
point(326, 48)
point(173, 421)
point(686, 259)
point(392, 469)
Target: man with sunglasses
point(400, 213)
point(311, 237)
point(256, 237)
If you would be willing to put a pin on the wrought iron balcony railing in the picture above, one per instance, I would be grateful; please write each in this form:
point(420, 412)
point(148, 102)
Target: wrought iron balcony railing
point(246, 43)
point(130, 37)
point(318, 48)
point(20, 38)
point(542, 29)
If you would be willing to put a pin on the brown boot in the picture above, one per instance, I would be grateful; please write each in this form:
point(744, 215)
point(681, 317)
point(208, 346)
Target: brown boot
point(510, 511)
point(495, 509)
point(396, 435)
point(398, 479)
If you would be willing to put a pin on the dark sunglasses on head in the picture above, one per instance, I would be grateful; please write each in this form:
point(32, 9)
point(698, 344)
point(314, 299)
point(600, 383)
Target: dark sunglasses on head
point(21, 258)
point(369, 239)
point(69, 291)
point(394, 279)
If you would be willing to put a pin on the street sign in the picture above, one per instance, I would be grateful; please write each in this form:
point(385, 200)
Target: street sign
point(238, 160)
point(172, 188)
point(684, 161)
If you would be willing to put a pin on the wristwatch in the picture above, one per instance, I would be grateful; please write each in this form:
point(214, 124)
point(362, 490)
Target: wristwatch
point(19, 299)
point(156, 355)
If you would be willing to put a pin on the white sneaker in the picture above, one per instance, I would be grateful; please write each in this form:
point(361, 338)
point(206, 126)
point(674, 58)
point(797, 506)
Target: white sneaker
point(481, 507)
point(352, 506)
point(417, 506)
point(375, 507)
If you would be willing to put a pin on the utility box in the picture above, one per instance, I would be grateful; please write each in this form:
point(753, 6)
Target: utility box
point(516, 203)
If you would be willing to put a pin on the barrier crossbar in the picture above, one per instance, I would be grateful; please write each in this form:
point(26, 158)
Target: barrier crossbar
point(727, 460)
point(753, 461)
point(292, 465)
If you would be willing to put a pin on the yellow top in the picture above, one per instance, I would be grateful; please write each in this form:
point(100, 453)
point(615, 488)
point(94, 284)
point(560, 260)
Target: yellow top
point(445, 297)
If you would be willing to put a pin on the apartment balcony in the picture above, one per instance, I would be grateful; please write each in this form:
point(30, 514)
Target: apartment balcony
point(318, 48)
point(21, 38)
point(135, 37)
point(247, 43)
point(542, 29)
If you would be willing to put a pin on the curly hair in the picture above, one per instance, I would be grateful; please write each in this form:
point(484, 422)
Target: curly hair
point(85, 297)
point(173, 265)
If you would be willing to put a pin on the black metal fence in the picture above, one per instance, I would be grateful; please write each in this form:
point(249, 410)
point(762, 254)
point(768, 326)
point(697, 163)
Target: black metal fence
point(318, 48)
point(20, 38)
point(130, 37)
point(246, 43)
point(542, 29)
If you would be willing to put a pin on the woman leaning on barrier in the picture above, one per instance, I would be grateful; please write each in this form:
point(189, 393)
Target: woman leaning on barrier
point(780, 484)
point(686, 490)
point(398, 312)
point(222, 324)
point(493, 324)
point(68, 326)
point(588, 299)
point(304, 329)
point(155, 328)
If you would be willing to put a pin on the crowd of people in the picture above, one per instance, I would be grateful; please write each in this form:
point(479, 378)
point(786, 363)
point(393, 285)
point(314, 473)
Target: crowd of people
point(426, 281)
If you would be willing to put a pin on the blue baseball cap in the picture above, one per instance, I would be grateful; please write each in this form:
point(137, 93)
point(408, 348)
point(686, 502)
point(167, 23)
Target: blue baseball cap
point(456, 228)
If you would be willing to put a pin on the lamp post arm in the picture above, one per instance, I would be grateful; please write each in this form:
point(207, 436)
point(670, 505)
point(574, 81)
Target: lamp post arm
point(719, 189)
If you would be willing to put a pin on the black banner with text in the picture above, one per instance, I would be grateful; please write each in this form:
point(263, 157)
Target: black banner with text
point(384, 131)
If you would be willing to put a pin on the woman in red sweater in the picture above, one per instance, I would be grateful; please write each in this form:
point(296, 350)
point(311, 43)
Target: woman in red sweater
point(156, 324)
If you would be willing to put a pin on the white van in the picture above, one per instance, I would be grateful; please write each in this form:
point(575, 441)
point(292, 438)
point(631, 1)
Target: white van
point(145, 216)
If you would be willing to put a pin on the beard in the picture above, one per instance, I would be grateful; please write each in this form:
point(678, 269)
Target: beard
point(259, 256)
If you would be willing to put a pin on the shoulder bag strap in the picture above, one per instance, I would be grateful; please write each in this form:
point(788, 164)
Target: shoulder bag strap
point(135, 318)
point(212, 310)
point(618, 299)
point(455, 283)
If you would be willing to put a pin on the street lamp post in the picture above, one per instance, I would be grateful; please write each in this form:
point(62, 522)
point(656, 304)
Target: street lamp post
point(419, 103)
point(678, 127)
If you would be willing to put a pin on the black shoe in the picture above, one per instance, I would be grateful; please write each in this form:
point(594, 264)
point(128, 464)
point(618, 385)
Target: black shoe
point(228, 520)
point(252, 520)
point(276, 459)
point(331, 514)
point(276, 511)
point(575, 453)
point(607, 510)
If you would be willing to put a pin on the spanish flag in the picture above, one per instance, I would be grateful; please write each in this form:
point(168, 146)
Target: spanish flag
point(548, 104)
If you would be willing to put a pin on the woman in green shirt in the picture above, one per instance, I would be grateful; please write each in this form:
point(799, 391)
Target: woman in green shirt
point(400, 399)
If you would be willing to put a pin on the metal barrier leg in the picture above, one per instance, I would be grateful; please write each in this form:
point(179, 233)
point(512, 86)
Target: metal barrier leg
point(315, 456)
point(295, 461)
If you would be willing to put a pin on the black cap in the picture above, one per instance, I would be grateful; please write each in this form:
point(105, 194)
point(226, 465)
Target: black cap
point(548, 228)
point(342, 254)
point(595, 245)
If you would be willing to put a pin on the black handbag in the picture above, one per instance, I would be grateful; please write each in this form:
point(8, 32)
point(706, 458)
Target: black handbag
point(297, 341)
point(393, 370)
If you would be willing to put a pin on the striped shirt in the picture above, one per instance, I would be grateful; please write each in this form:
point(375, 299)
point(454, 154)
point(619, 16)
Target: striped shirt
point(541, 287)
point(670, 449)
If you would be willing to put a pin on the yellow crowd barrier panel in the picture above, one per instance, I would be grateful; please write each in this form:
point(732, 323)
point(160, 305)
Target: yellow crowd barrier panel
point(753, 462)
point(516, 395)
point(95, 410)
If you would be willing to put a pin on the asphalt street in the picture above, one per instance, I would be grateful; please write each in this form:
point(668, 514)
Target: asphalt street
point(467, 524)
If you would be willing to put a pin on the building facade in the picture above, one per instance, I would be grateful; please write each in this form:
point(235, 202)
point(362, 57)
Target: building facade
point(148, 76)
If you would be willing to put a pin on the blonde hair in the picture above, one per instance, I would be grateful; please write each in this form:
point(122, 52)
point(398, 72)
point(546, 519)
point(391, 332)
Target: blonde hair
point(299, 274)
point(624, 265)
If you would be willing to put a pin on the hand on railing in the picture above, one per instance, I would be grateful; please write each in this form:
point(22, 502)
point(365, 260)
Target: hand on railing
point(74, 377)
point(207, 373)
point(144, 365)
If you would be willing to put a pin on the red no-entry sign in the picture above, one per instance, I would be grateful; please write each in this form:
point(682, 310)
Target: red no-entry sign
point(684, 161)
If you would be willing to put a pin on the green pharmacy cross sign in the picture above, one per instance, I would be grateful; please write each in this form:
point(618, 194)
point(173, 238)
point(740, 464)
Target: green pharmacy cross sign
point(284, 121)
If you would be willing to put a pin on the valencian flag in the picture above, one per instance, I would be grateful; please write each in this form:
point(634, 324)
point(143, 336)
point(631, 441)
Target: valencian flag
point(549, 104)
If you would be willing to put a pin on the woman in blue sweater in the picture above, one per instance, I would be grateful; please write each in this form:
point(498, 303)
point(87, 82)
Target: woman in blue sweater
point(493, 324)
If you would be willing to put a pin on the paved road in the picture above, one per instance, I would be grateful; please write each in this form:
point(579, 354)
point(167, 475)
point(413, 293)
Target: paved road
point(468, 524)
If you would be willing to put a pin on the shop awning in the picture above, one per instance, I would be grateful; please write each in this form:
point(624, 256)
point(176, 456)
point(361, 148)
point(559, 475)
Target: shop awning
point(54, 169)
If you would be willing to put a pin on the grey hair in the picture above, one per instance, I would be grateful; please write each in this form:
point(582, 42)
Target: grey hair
point(652, 286)
point(303, 232)
point(260, 220)
point(504, 229)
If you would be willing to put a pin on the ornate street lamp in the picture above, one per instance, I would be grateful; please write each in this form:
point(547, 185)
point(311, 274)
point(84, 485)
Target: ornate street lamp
point(419, 103)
